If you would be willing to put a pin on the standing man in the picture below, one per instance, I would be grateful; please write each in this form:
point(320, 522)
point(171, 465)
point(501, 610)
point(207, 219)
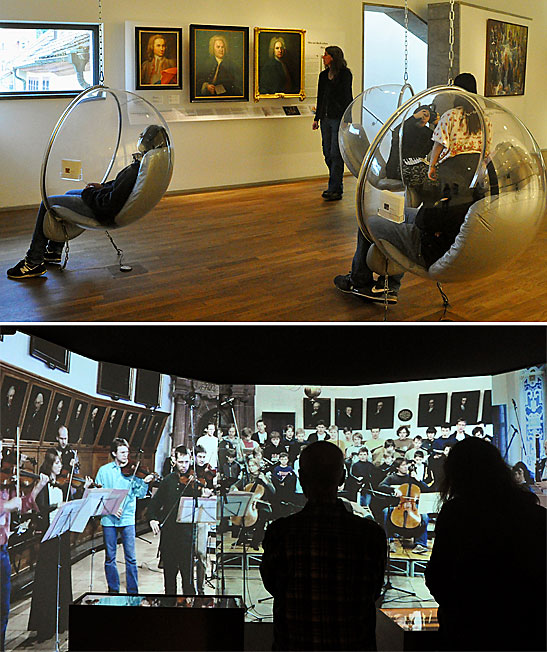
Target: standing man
point(110, 476)
point(209, 442)
point(69, 457)
point(175, 538)
point(320, 557)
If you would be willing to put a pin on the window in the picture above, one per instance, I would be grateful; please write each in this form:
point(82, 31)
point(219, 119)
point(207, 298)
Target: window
point(47, 60)
point(386, 65)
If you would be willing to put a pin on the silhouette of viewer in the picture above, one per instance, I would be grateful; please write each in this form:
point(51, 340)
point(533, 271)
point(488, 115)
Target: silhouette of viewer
point(323, 565)
point(487, 568)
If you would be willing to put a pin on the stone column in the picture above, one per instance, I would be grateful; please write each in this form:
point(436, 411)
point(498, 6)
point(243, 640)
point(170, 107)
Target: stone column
point(438, 27)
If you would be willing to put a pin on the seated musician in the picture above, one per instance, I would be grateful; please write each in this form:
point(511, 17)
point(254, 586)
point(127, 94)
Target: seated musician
point(296, 446)
point(429, 442)
point(384, 457)
point(403, 442)
point(400, 476)
point(273, 447)
point(230, 471)
point(249, 445)
point(175, 538)
point(417, 444)
point(352, 452)
point(260, 483)
point(421, 469)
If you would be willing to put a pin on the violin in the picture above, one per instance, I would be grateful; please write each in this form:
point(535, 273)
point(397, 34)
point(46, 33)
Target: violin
point(406, 515)
point(188, 478)
point(64, 479)
point(133, 469)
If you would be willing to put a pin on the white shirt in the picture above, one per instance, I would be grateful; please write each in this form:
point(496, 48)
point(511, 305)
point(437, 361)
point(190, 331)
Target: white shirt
point(210, 445)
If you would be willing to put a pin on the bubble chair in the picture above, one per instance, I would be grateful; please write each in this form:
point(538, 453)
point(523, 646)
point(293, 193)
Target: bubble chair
point(507, 185)
point(95, 138)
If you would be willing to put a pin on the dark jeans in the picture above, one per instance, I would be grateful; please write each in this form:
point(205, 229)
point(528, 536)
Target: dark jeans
point(331, 152)
point(5, 588)
point(39, 242)
point(405, 236)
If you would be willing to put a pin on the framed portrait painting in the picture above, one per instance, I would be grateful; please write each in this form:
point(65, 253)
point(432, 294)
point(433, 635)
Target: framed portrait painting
point(506, 46)
point(464, 405)
point(13, 396)
point(219, 63)
point(315, 410)
point(380, 412)
point(349, 413)
point(279, 63)
point(432, 410)
point(158, 58)
point(36, 413)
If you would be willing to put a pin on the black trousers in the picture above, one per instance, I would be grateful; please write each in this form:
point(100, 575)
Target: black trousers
point(176, 555)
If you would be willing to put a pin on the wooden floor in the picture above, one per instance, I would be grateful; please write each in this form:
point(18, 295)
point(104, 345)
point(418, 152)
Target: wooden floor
point(255, 254)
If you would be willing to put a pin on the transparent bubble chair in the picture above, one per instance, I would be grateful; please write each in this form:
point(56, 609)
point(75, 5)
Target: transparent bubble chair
point(95, 138)
point(506, 184)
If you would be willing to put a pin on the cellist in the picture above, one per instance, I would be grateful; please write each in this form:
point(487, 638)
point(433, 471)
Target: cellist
point(259, 510)
point(399, 483)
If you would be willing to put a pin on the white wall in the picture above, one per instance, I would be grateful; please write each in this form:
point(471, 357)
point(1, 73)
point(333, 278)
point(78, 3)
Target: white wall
point(82, 374)
point(208, 154)
point(289, 398)
point(249, 151)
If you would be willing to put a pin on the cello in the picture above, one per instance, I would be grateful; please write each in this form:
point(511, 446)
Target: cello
point(406, 515)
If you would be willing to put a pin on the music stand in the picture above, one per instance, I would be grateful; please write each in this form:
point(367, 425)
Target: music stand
point(108, 501)
point(72, 516)
point(205, 511)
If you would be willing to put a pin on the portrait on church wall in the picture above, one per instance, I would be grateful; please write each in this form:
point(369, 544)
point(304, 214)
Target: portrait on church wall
point(349, 413)
point(464, 405)
point(279, 63)
point(156, 429)
point(316, 409)
point(158, 58)
point(77, 419)
point(506, 45)
point(35, 415)
point(380, 411)
point(57, 416)
point(219, 63)
point(13, 396)
point(432, 410)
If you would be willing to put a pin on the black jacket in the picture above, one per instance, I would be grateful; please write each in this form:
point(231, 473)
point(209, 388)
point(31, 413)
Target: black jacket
point(333, 95)
point(108, 200)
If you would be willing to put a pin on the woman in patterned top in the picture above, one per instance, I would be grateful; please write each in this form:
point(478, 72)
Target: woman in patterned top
point(458, 142)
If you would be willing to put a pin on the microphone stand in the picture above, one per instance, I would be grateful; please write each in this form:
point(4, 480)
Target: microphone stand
point(515, 432)
point(191, 402)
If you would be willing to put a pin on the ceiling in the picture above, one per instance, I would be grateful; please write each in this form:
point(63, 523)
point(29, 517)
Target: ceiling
point(294, 354)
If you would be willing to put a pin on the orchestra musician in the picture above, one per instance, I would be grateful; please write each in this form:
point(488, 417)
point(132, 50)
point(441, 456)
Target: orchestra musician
point(175, 538)
point(10, 503)
point(69, 457)
point(260, 484)
point(207, 476)
point(110, 476)
point(48, 572)
point(402, 475)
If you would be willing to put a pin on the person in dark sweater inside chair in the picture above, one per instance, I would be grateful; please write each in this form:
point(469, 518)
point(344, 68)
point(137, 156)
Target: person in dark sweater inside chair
point(101, 201)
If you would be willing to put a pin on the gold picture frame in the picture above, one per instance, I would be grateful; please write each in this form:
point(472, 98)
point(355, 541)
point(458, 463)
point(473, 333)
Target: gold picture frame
point(279, 63)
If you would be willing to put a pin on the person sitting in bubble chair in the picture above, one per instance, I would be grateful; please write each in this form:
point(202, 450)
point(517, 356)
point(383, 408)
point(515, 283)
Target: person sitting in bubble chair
point(101, 201)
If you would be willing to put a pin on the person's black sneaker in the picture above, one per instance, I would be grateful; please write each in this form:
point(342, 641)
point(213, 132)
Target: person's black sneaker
point(345, 284)
point(333, 196)
point(326, 193)
point(25, 270)
point(376, 294)
point(52, 257)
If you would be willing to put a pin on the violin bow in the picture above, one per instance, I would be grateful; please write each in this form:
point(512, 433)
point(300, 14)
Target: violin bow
point(18, 475)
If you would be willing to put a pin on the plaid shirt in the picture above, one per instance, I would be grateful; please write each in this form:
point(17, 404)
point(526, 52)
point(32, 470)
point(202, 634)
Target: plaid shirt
point(325, 568)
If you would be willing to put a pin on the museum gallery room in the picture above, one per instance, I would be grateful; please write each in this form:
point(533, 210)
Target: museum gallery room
point(244, 182)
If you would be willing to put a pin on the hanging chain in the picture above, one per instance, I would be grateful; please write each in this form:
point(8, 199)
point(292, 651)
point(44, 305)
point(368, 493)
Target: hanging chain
point(406, 43)
point(101, 38)
point(451, 17)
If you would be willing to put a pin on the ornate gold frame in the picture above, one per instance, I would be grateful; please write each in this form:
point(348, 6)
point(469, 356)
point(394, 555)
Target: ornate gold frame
point(256, 83)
